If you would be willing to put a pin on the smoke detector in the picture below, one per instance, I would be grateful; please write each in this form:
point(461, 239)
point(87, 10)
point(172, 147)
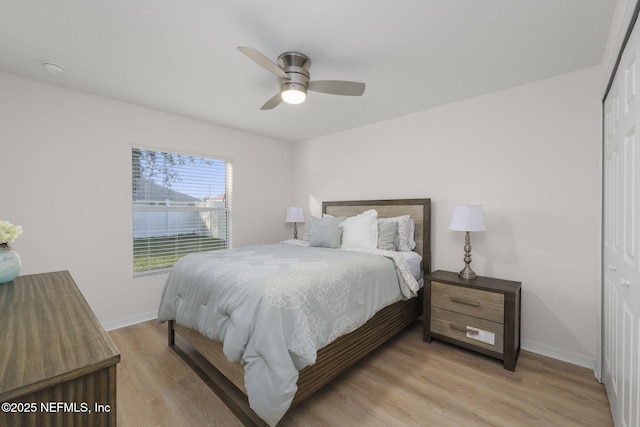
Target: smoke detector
point(53, 68)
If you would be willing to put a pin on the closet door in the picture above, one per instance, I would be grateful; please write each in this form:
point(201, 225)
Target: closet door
point(621, 239)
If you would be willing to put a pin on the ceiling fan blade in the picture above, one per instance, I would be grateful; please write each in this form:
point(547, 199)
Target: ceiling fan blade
point(263, 61)
point(273, 102)
point(337, 87)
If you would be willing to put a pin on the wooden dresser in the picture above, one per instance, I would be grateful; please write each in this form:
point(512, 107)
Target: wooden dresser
point(482, 314)
point(57, 364)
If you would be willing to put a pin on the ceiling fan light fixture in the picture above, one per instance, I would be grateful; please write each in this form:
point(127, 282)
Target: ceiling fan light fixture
point(294, 94)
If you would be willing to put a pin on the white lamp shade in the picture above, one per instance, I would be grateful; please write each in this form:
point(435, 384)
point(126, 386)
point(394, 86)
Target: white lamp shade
point(467, 218)
point(294, 215)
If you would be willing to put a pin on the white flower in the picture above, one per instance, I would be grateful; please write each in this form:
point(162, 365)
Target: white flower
point(9, 232)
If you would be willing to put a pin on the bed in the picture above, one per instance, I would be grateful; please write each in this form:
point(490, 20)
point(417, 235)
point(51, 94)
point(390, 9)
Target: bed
point(207, 357)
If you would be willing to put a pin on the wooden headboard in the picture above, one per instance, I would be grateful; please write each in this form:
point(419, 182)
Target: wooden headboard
point(418, 209)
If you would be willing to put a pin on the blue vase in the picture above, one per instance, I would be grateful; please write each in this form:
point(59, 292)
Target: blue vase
point(9, 264)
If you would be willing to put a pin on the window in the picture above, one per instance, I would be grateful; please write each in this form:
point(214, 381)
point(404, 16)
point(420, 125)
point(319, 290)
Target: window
point(181, 205)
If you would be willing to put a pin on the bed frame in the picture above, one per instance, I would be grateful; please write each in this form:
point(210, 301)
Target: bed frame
point(226, 379)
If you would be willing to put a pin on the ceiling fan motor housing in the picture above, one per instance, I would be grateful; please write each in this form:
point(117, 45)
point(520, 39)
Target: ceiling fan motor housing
point(296, 66)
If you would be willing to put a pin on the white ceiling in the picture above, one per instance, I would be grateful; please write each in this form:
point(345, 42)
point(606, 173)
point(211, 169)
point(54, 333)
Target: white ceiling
point(180, 56)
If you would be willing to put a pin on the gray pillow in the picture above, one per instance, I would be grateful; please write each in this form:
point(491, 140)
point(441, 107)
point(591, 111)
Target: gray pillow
point(312, 222)
point(326, 237)
point(387, 235)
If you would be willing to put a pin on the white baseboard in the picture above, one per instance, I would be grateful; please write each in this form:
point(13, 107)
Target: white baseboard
point(131, 320)
point(559, 354)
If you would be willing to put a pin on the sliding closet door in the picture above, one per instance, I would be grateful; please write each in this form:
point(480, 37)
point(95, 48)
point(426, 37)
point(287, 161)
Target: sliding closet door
point(621, 239)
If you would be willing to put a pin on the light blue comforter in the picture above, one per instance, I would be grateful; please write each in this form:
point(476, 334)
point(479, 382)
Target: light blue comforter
point(274, 306)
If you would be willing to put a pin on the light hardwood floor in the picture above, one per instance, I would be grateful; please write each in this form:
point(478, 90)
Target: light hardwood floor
point(405, 382)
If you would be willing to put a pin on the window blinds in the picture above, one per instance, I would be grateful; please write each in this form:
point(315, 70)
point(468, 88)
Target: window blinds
point(181, 205)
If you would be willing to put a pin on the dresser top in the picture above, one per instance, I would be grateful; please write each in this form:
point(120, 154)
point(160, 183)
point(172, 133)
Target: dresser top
point(47, 331)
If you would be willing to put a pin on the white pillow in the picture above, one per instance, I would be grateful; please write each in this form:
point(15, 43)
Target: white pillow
point(360, 231)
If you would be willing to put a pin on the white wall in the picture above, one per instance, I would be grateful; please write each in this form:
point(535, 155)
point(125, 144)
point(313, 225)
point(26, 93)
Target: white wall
point(65, 162)
point(531, 155)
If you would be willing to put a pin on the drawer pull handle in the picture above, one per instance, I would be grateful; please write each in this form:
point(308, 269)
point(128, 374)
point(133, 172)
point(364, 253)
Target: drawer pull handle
point(464, 301)
point(464, 329)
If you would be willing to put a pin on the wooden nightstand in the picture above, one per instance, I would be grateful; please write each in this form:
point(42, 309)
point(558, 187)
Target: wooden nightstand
point(482, 314)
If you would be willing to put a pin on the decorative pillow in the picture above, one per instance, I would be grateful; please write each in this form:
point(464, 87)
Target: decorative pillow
point(404, 233)
point(314, 221)
point(412, 232)
point(326, 237)
point(360, 231)
point(387, 235)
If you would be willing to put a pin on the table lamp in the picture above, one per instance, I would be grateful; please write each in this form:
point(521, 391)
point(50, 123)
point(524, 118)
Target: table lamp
point(294, 215)
point(467, 218)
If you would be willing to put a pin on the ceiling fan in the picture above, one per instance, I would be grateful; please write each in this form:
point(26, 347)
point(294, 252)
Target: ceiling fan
point(294, 79)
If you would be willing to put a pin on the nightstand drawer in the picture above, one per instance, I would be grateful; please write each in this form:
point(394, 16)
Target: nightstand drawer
point(461, 327)
point(472, 302)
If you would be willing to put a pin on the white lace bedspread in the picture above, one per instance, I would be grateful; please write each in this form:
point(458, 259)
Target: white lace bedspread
point(274, 306)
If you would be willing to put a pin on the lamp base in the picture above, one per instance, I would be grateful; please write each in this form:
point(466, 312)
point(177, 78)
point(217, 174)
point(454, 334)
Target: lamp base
point(467, 273)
